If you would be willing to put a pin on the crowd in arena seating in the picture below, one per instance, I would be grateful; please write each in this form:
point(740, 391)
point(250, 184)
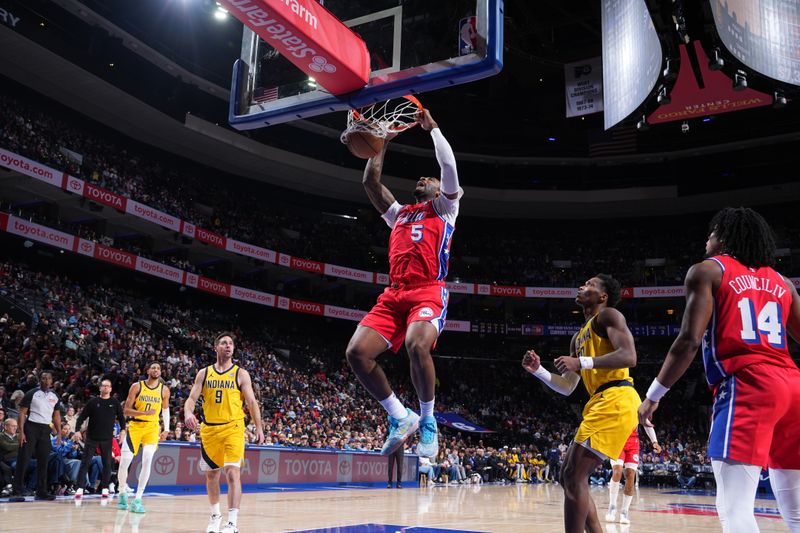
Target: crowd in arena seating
point(83, 332)
point(530, 253)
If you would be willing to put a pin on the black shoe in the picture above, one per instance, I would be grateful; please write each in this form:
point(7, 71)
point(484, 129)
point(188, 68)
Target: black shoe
point(399, 485)
point(389, 485)
point(46, 496)
point(17, 498)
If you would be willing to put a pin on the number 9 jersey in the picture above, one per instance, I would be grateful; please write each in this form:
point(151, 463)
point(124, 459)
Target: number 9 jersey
point(222, 399)
point(748, 325)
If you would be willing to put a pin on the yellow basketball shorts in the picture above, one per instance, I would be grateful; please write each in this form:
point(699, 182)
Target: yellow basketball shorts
point(140, 433)
point(223, 444)
point(608, 420)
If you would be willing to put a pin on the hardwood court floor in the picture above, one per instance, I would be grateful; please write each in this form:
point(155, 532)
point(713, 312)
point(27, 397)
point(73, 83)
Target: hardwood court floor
point(477, 508)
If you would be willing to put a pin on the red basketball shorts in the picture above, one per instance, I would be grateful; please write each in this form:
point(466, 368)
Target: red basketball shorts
point(397, 308)
point(754, 420)
point(630, 453)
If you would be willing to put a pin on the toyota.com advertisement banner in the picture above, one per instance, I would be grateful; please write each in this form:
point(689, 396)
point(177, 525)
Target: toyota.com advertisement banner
point(77, 186)
point(179, 464)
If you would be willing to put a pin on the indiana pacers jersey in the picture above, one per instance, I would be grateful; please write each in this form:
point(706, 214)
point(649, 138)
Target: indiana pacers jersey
point(148, 399)
point(419, 245)
point(222, 398)
point(589, 344)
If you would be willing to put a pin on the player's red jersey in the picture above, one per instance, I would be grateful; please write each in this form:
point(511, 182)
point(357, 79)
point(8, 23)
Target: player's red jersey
point(419, 246)
point(748, 326)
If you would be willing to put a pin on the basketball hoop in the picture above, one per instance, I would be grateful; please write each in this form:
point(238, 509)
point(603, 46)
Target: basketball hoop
point(383, 118)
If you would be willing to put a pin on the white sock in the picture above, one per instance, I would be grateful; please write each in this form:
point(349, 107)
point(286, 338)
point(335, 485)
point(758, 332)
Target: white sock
point(122, 474)
point(626, 503)
point(426, 408)
point(233, 515)
point(215, 509)
point(613, 491)
point(394, 407)
point(148, 451)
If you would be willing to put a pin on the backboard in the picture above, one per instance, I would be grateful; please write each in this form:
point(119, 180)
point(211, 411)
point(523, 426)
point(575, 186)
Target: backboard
point(414, 45)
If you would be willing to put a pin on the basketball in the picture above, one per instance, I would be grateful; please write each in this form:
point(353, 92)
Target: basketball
point(363, 145)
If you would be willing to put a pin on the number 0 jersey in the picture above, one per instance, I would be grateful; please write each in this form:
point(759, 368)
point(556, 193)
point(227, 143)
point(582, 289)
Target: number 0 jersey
point(148, 399)
point(748, 325)
point(222, 398)
point(419, 246)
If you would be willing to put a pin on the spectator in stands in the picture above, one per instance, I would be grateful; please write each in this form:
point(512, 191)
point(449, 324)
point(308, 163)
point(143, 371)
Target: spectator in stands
point(9, 448)
point(687, 476)
point(38, 408)
point(15, 399)
point(5, 402)
point(63, 465)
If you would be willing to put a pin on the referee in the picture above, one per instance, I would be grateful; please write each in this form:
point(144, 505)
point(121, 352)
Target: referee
point(102, 412)
point(37, 409)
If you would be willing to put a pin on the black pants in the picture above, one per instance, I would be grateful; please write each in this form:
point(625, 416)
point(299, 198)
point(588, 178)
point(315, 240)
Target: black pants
point(6, 474)
point(37, 444)
point(88, 455)
point(398, 457)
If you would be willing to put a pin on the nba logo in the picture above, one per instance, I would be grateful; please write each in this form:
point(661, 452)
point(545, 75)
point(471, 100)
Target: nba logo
point(467, 35)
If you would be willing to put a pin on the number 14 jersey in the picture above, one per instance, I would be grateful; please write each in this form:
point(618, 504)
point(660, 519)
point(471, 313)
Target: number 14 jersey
point(748, 325)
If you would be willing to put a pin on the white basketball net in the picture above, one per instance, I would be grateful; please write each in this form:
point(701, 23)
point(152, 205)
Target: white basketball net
point(383, 118)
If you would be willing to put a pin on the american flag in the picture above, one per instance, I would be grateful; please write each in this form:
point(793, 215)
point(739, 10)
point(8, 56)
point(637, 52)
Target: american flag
point(619, 140)
point(265, 94)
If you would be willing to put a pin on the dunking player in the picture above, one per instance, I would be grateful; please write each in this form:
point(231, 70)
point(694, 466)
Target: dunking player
point(629, 459)
point(145, 400)
point(600, 353)
point(412, 309)
point(224, 387)
point(741, 309)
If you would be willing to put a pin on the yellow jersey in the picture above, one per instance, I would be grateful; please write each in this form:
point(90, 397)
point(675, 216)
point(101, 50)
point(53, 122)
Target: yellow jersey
point(148, 399)
point(589, 344)
point(222, 398)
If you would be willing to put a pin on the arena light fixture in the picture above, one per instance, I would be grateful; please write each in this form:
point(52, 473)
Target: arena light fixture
point(740, 80)
point(716, 62)
point(670, 71)
point(663, 97)
point(642, 124)
point(220, 13)
point(779, 100)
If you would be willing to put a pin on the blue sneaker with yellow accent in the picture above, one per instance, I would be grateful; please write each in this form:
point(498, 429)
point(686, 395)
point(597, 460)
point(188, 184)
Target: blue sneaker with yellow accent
point(123, 500)
point(428, 438)
point(399, 431)
point(136, 506)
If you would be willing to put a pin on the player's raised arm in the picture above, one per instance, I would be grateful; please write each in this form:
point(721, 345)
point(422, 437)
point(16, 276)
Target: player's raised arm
point(564, 384)
point(444, 155)
point(377, 192)
point(188, 407)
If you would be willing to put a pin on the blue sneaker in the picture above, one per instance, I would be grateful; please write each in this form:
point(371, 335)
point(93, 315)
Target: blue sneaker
point(428, 438)
point(399, 431)
point(123, 500)
point(137, 506)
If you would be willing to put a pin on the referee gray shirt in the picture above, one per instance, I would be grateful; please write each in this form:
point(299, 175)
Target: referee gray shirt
point(40, 405)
